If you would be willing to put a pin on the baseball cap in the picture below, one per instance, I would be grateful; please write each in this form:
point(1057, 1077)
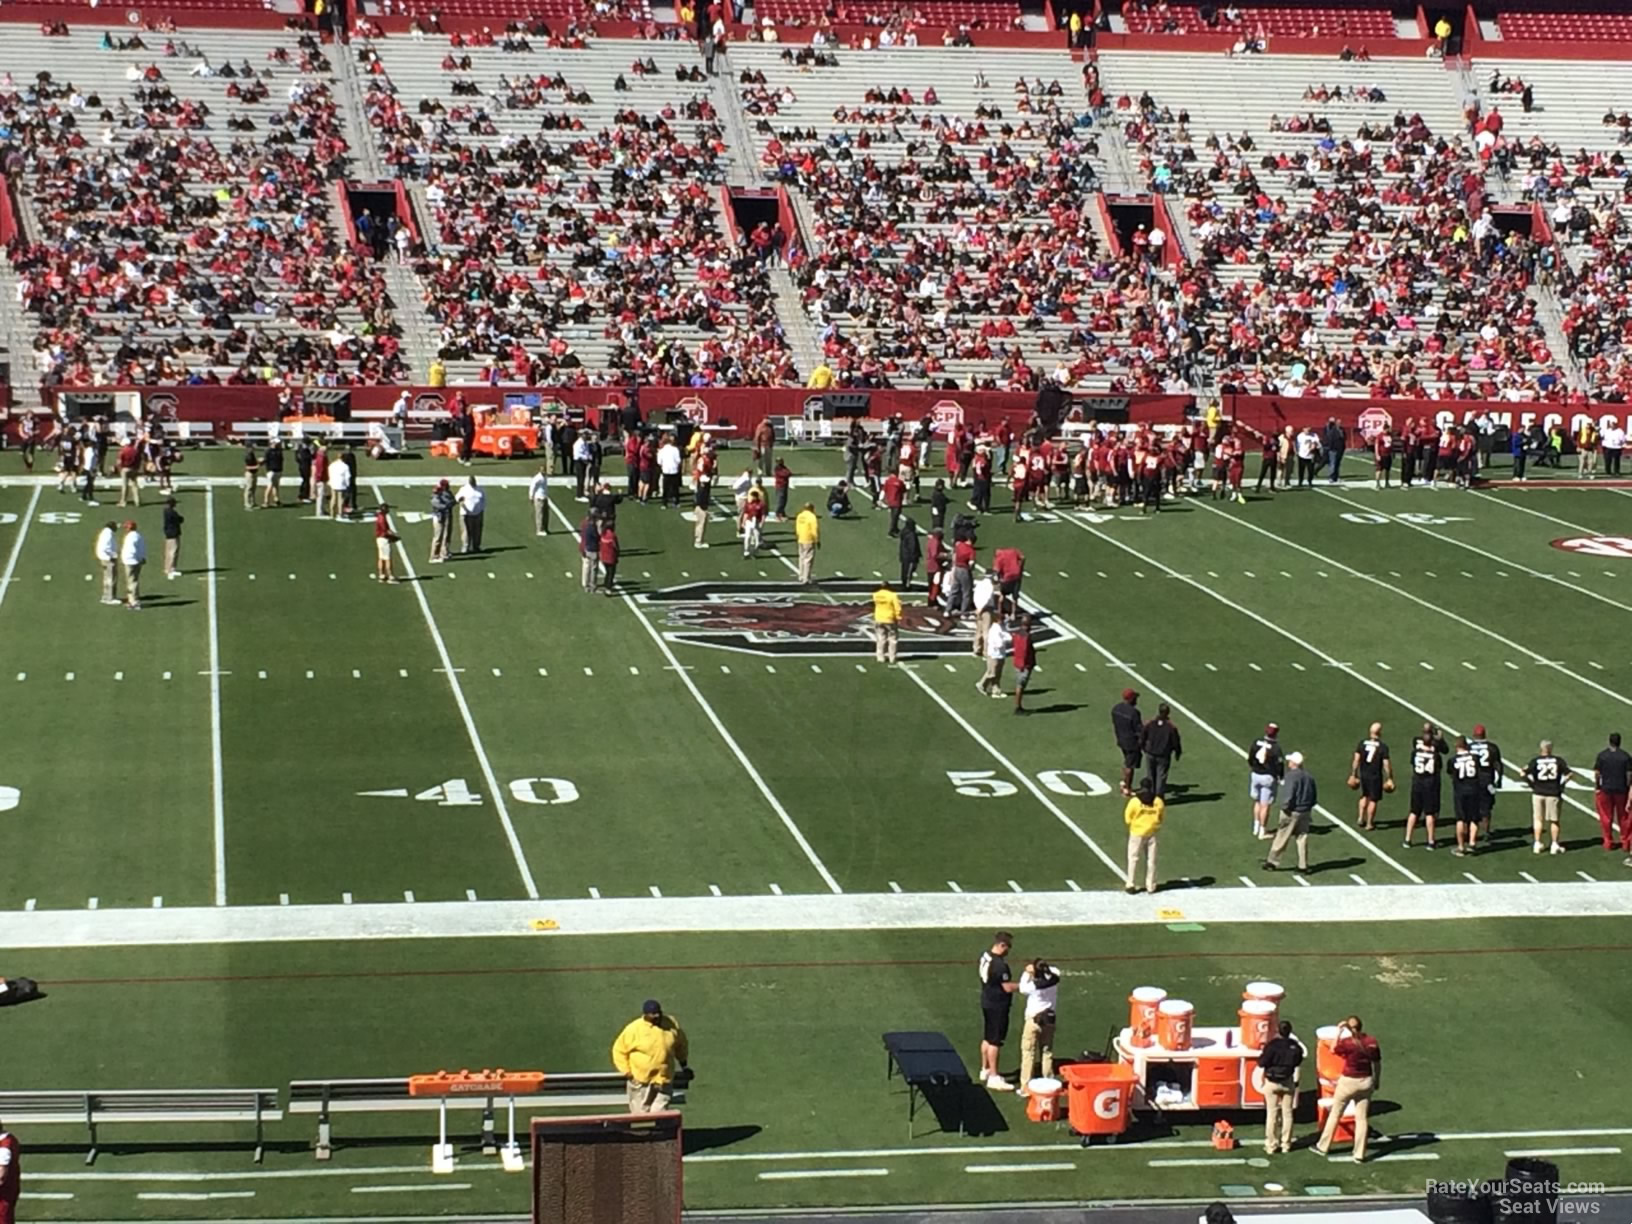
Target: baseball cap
point(1129, 695)
point(1271, 728)
point(1294, 759)
point(1479, 730)
point(650, 1007)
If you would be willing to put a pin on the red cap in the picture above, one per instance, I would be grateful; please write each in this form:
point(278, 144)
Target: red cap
point(1129, 695)
point(1271, 728)
point(1480, 730)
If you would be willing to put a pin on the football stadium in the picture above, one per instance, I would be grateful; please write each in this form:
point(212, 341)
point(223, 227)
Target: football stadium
point(614, 610)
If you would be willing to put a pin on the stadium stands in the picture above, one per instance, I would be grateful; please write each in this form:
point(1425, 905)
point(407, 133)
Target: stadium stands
point(186, 225)
point(1358, 21)
point(932, 14)
point(1565, 25)
point(574, 200)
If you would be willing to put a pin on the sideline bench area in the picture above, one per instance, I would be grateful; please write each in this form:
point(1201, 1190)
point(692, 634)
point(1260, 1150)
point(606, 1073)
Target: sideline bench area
point(157, 1106)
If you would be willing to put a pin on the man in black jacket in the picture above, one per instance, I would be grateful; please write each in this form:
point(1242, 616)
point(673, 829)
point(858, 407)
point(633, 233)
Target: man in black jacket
point(1129, 728)
point(1161, 743)
point(1280, 1060)
point(1333, 442)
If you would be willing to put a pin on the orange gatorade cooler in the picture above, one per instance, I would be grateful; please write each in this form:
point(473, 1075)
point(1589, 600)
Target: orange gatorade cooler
point(1252, 1087)
point(1345, 1125)
point(1174, 1020)
point(1258, 1017)
point(1099, 1097)
point(1272, 992)
point(1142, 1005)
point(1218, 1083)
point(1043, 1099)
point(1328, 1066)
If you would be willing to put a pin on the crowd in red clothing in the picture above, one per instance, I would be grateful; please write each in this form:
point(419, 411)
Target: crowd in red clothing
point(141, 277)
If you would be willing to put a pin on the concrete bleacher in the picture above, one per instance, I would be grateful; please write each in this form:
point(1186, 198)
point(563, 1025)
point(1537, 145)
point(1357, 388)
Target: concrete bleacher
point(1358, 21)
point(1291, 229)
point(899, 139)
point(280, 303)
point(554, 228)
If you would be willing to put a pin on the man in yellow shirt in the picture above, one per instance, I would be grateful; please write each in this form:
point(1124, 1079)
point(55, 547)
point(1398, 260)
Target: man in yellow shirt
point(807, 529)
point(886, 623)
point(1143, 816)
point(645, 1054)
point(821, 378)
point(438, 373)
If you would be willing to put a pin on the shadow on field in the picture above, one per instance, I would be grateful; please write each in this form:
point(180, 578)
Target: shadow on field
point(704, 1138)
point(1059, 707)
point(1335, 865)
point(1185, 792)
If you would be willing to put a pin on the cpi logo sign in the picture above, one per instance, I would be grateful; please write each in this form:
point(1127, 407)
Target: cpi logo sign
point(945, 415)
point(1373, 421)
point(695, 409)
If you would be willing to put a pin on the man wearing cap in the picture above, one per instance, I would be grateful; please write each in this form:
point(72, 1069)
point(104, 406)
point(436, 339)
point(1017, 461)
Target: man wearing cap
point(441, 519)
point(107, 556)
point(1280, 1059)
point(133, 555)
point(645, 1054)
point(538, 493)
point(472, 499)
point(1489, 757)
point(384, 537)
point(1298, 799)
point(1265, 769)
point(1129, 728)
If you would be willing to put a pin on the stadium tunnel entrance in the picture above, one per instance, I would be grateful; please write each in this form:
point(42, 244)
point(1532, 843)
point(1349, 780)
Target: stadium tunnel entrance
point(374, 212)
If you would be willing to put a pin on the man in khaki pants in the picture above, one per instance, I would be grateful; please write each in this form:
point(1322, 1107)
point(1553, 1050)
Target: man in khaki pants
point(1362, 1072)
point(808, 529)
point(1279, 1062)
point(645, 1054)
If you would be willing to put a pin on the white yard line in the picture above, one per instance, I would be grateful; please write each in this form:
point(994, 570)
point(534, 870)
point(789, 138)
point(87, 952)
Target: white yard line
point(448, 670)
point(1445, 539)
point(218, 805)
point(1518, 647)
point(1490, 497)
point(1019, 775)
point(810, 911)
point(713, 717)
point(1372, 849)
point(17, 544)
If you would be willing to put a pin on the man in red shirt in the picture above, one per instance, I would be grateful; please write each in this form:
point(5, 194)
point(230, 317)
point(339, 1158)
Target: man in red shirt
point(11, 1175)
point(895, 496)
point(1008, 566)
point(384, 538)
point(1362, 1072)
point(960, 592)
point(1025, 658)
point(130, 471)
point(609, 552)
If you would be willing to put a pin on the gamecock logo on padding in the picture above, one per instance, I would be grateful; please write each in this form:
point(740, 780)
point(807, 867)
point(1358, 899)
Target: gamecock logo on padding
point(429, 401)
point(161, 404)
point(779, 618)
point(695, 409)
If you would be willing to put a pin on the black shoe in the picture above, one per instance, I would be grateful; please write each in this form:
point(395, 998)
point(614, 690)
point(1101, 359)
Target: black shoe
point(1268, 866)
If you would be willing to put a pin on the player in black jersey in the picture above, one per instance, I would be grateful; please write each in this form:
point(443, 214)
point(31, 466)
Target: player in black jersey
point(1371, 773)
point(1427, 762)
point(1489, 757)
point(1466, 787)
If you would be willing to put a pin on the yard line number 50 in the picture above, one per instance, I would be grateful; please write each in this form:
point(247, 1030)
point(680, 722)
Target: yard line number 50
point(546, 792)
point(985, 784)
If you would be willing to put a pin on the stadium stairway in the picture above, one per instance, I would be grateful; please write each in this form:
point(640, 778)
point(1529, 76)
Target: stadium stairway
point(419, 333)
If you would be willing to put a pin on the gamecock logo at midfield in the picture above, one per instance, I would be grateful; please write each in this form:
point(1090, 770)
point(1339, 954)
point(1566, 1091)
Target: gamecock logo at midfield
point(775, 618)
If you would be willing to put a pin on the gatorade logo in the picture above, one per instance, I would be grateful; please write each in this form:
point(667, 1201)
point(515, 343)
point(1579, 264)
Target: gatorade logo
point(1108, 1104)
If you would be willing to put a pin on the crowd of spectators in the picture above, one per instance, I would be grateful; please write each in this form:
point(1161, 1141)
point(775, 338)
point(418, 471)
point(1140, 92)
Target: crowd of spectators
point(181, 240)
point(579, 227)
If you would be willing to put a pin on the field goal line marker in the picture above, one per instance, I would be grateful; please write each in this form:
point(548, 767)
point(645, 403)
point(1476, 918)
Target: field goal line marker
point(482, 762)
point(218, 807)
point(719, 726)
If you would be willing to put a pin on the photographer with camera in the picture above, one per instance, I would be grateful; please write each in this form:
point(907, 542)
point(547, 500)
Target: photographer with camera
point(1040, 984)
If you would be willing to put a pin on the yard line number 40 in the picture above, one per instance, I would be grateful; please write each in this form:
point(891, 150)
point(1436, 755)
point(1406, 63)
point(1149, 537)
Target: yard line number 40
point(985, 784)
point(545, 792)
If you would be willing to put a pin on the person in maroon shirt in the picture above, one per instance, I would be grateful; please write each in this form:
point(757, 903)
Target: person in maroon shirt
point(895, 496)
point(960, 592)
point(1025, 658)
point(384, 538)
point(609, 552)
point(782, 477)
point(1362, 1072)
point(1008, 566)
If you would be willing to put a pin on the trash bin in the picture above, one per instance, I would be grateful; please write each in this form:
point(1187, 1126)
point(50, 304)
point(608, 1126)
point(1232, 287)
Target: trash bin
point(1098, 1097)
point(1459, 1203)
point(1528, 1193)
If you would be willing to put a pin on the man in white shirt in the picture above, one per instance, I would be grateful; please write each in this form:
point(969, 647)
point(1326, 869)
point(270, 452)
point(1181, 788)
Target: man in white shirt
point(998, 642)
point(1040, 984)
point(583, 452)
point(538, 492)
point(739, 490)
point(1308, 448)
point(669, 463)
point(985, 598)
point(133, 555)
point(1614, 442)
point(472, 501)
point(339, 487)
point(107, 556)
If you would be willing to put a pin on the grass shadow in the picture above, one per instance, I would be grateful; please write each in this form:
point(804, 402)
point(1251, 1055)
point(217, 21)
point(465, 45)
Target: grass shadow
point(706, 1138)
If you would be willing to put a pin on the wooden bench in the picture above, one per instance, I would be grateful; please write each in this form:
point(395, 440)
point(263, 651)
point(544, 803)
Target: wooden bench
point(155, 1106)
point(598, 1090)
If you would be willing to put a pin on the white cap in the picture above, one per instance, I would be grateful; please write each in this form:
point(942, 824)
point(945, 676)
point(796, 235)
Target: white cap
point(1294, 759)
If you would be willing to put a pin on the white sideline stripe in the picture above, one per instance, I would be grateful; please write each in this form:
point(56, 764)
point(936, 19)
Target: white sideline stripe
point(1033, 1167)
point(1396, 1156)
point(180, 1196)
point(1566, 1151)
point(1534, 573)
point(411, 1189)
point(47, 1195)
point(482, 762)
point(1371, 849)
point(808, 1174)
point(17, 544)
point(1518, 647)
point(1019, 775)
point(730, 742)
point(1188, 1163)
point(809, 911)
point(218, 803)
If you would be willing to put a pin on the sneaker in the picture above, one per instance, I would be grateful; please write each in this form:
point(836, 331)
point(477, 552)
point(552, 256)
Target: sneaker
point(998, 1084)
point(1627, 861)
point(1405, 845)
point(983, 1074)
point(1433, 846)
point(1536, 849)
point(1556, 849)
point(980, 687)
point(999, 694)
point(1459, 852)
point(173, 575)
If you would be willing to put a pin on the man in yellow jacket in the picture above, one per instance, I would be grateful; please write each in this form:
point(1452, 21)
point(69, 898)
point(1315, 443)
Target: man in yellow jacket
point(886, 623)
point(645, 1054)
point(807, 529)
point(1143, 816)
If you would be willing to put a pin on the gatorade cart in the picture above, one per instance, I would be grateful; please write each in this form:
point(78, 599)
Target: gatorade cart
point(1180, 1067)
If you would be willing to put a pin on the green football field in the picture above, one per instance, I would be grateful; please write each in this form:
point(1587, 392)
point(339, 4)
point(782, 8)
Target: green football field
point(286, 822)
